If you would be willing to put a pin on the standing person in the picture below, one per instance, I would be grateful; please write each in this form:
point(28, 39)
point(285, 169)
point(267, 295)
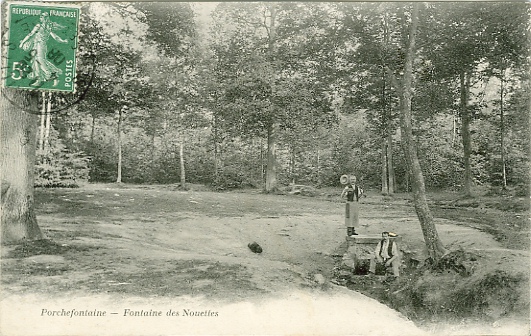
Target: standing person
point(352, 192)
point(386, 251)
point(36, 42)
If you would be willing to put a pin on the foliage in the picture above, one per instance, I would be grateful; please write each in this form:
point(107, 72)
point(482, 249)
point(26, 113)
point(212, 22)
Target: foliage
point(323, 80)
point(58, 167)
point(240, 153)
point(441, 161)
point(496, 292)
point(170, 26)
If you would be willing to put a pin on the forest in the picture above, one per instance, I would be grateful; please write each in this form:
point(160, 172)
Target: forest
point(264, 95)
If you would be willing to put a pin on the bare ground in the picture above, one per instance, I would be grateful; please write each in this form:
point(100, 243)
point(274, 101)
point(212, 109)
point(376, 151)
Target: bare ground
point(131, 246)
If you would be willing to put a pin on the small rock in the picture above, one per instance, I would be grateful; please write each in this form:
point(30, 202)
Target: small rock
point(319, 278)
point(255, 247)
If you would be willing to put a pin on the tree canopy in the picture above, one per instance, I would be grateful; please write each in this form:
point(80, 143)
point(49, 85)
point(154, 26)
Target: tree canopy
point(290, 77)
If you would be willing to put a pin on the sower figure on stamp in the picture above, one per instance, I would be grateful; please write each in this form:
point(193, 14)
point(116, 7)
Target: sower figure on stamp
point(353, 193)
point(36, 42)
point(386, 252)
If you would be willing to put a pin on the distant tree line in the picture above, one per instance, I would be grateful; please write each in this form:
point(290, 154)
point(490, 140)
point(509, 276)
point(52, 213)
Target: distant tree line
point(280, 93)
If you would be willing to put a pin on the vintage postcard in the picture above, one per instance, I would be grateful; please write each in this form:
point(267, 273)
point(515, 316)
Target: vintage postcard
point(264, 168)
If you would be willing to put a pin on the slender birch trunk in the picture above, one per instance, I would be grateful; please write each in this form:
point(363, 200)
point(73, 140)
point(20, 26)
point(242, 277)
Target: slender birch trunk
point(385, 187)
point(43, 121)
point(319, 180)
point(262, 165)
point(48, 121)
point(390, 167)
point(292, 164)
point(216, 154)
point(464, 79)
point(272, 132)
point(502, 131)
point(92, 128)
point(119, 173)
point(181, 162)
point(271, 170)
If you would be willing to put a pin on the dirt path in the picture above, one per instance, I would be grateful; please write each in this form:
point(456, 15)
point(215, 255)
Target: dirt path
point(143, 249)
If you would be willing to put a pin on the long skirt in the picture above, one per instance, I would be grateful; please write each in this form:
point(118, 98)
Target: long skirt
point(352, 214)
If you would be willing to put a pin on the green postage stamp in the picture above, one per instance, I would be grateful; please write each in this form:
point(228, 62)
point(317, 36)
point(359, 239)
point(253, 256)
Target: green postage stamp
point(41, 46)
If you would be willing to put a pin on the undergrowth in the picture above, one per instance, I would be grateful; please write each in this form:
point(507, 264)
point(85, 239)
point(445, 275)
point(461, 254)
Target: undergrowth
point(452, 289)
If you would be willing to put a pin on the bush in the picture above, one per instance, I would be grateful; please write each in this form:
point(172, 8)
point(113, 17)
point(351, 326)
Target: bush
point(229, 179)
point(493, 295)
point(451, 295)
point(522, 190)
point(57, 167)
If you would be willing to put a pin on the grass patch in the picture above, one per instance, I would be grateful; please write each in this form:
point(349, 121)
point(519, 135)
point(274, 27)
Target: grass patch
point(75, 234)
point(38, 247)
point(24, 269)
point(184, 277)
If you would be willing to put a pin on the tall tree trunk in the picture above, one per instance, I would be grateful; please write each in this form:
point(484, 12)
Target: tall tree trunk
point(119, 173)
point(292, 164)
point(464, 79)
point(454, 129)
point(319, 178)
point(43, 121)
point(216, 154)
point(17, 162)
point(407, 175)
point(153, 163)
point(48, 121)
point(181, 163)
point(390, 168)
point(153, 147)
point(407, 181)
point(262, 166)
point(92, 128)
point(502, 130)
point(272, 132)
point(431, 236)
point(385, 187)
point(271, 168)
point(386, 122)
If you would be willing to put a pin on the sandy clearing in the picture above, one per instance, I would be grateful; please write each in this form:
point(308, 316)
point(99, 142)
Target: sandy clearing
point(299, 236)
